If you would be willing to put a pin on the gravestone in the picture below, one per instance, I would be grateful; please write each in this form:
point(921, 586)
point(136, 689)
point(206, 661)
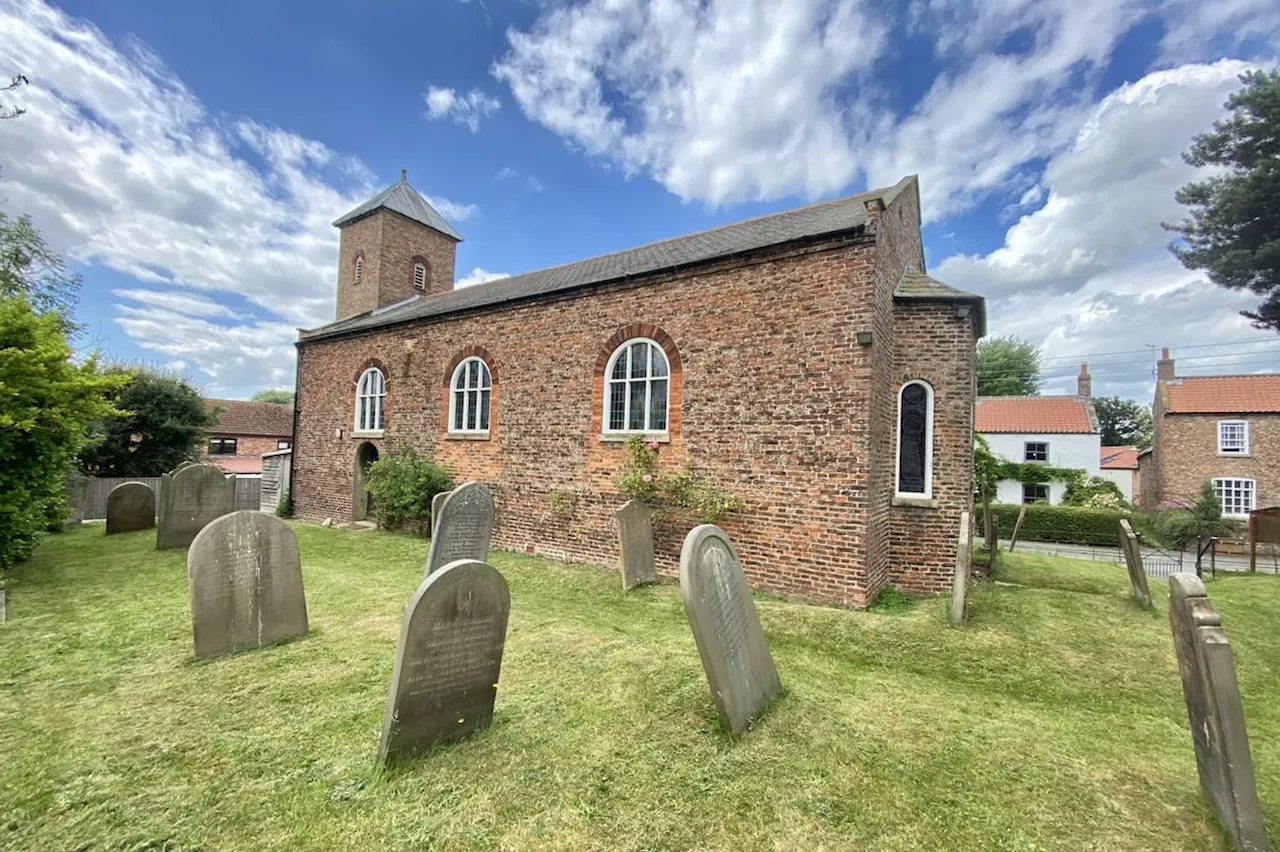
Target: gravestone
point(635, 539)
point(131, 506)
point(1214, 711)
point(464, 529)
point(190, 498)
point(1017, 528)
point(960, 582)
point(436, 502)
point(1133, 561)
point(245, 577)
point(726, 627)
point(448, 659)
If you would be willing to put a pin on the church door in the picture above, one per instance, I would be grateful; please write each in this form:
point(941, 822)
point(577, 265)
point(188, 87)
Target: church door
point(361, 499)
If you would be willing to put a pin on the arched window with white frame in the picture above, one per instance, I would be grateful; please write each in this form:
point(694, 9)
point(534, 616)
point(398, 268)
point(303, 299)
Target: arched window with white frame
point(470, 396)
point(914, 474)
point(637, 388)
point(371, 398)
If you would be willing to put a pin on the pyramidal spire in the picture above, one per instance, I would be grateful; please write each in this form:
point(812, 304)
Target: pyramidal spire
point(405, 200)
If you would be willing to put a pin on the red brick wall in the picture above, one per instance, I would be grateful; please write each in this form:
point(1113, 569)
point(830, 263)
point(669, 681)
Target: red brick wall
point(1188, 455)
point(389, 244)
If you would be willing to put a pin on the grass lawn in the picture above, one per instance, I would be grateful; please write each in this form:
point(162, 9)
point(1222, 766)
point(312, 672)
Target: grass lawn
point(1054, 721)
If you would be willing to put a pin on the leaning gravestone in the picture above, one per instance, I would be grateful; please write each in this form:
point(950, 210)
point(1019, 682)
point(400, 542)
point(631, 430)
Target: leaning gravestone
point(464, 529)
point(245, 577)
point(635, 539)
point(1017, 528)
point(959, 583)
point(190, 498)
point(1214, 711)
point(131, 506)
point(726, 627)
point(436, 503)
point(1133, 561)
point(448, 659)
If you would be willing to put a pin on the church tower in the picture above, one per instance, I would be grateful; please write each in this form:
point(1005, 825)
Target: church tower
point(393, 246)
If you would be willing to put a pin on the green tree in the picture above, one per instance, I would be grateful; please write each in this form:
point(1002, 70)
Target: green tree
point(283, 397)
point(1233, 231)
point(1007, 366)
point(1124, 422)
point(46, 403)
point(28, 267)
point(1201, 519)
point(161, 423)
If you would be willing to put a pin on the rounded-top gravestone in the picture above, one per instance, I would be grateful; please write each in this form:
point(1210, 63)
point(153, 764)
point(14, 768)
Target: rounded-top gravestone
point(131, 506)
point(190, 498)
point(464, 529)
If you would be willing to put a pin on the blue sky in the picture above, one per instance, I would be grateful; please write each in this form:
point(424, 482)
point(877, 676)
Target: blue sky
point(188, 157)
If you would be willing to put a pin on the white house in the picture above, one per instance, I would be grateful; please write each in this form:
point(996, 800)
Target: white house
point(1056, 431)
point(1120, 465)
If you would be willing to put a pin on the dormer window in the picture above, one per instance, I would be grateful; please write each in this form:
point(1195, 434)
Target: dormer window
point(419, 276)
point(359, 268)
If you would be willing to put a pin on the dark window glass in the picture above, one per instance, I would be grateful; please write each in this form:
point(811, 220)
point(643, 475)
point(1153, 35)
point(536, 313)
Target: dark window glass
point(1037, 451)
point(913, 437)
point(1036, 493)
point(222, 446)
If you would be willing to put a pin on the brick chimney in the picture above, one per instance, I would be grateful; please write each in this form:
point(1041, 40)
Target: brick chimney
point(1084, 382)
point(1164, 367)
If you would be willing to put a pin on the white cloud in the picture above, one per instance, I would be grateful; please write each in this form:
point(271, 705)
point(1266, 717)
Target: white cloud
point(190, 304)
point(465, 108)
point(479, 276)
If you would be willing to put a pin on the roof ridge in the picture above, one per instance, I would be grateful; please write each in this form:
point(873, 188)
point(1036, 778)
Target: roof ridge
point(1235, 376)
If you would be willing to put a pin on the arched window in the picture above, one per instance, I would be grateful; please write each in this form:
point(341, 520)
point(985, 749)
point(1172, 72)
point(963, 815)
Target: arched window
point(636, 388)
point(472, 387)
point(419, 275)
point(915, 440)
point(371, 396)
point(359, 268)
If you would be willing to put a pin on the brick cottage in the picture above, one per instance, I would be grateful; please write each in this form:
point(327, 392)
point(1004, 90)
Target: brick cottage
point(781, 356)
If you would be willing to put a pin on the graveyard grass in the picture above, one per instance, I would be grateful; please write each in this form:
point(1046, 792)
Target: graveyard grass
point(1053, 721)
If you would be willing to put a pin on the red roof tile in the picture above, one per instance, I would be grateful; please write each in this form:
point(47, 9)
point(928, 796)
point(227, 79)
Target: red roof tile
point(1035, 415)
point(237, 417)
point(1224, 394)
point(238, 464)
point(1119, 458)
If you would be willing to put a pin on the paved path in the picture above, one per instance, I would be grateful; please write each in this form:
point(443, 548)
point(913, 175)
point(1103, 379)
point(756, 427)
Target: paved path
point(1225, 562)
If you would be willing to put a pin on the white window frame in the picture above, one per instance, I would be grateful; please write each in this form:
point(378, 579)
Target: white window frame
point(1233, 449)
point(928, 444)
point(359, 269)
point(457, 385)
point(624, 349)
point(1026, 450)
point(371, 401)
point(419, 275)
point(1237, 485)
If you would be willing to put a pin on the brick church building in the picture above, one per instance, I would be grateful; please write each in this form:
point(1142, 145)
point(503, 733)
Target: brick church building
point(803, 360)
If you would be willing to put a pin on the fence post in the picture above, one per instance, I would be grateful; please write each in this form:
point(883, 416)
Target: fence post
point(1253, 543)
point(1017, 527)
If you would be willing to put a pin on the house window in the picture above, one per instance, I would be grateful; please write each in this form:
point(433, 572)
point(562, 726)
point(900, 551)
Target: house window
point(283, 445)
point(1233, 437)
point(1035, 451)
point(1239, 497)
point(636, 393)
point(419, 275)
point(222, 446)
point(1035, 492)
point(915, 440)
point(371, 396)
point(472, 388)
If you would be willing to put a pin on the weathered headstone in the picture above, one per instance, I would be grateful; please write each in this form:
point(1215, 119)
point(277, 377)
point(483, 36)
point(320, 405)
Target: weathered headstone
point(464, 529)
point(1133, 561)
point(635, 539)
point(1215, 712)
point(190, 498)
point(960, 582)
point(726, 627)
point(1017, 528)
point(436, 503)
point(448, 659)
point(131, 506)
point(245, 577)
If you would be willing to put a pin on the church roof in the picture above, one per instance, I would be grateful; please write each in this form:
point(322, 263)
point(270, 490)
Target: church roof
point(816, 220)
point(405, 200)
point(917, 285)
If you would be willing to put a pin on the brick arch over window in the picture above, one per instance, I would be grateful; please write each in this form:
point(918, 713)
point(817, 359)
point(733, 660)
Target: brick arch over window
point(471, 352)
point(426, 279)
point(674, 363)
point(446, 386)
point(354, 387)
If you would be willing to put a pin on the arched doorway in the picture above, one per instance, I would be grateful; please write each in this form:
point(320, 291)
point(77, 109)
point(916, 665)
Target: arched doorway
point(362, 500)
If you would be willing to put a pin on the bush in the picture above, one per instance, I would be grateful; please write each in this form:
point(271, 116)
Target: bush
point(685, 489)
point(403, 484)
point(1095, 493)
point(284, 509)
point(1061, 524)
point(1179, 528)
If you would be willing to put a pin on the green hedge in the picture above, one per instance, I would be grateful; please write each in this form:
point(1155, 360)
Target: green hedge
point(1062, 524)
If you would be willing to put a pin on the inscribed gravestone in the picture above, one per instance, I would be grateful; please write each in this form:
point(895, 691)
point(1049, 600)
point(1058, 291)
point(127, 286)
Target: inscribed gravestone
point(245, 577)
point(436, 502)
point(959, 583)
point(1133, 561)
point(448, 659)
point(131, 506)
point(1214, 711)
point(726, 627)
point(190, 498)
point(635, 539)
point(464, 529)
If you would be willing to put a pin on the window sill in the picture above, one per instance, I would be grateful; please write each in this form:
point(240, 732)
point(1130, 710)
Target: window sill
point(623, 437)
point(375, 433)
point(467, 436)
point(914, 501)
point(1223, 455)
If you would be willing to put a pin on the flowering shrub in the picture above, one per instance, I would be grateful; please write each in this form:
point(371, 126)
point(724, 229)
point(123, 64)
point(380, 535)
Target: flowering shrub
point(640, 479)
point(403, 484)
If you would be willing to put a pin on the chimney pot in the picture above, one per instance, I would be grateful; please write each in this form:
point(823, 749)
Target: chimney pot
point(1164, 367)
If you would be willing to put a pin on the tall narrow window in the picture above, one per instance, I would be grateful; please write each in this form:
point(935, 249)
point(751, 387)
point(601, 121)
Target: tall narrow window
point(472, 388)
point(419, 276)
point(637, 387)
point(359, 268)
point(915, 440)
point(371, 396)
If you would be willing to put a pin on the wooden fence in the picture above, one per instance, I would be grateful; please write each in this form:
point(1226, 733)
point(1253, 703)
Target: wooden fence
point(248, 493)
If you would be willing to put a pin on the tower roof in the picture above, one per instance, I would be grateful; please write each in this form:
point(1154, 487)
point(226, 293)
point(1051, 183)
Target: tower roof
point(405, 200)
